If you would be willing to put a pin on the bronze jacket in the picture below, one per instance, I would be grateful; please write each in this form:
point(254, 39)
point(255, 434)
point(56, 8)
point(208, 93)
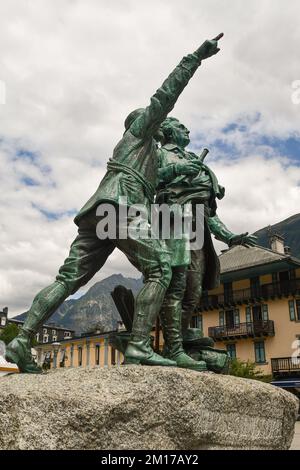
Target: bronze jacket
point(206, 189)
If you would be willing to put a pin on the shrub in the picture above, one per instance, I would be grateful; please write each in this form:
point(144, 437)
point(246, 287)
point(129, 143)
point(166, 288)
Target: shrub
point(247, 370)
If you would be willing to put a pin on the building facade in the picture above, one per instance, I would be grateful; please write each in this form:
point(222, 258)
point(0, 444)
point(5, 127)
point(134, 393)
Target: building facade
point(47, 333)
point(255, 313)
point(84, 351)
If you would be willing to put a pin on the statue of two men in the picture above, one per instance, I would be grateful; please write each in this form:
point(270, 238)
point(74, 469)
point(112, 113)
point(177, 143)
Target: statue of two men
point(132, 174)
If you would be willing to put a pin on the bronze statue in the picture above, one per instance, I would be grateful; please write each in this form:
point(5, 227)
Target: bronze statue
point(182, 181)
point(131, 174)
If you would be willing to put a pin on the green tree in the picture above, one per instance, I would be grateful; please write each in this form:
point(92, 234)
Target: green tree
point(10, 331)
point(247, 370)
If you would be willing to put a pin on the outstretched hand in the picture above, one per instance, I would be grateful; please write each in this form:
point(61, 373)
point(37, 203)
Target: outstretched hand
point(243, 239)
point(210, 48)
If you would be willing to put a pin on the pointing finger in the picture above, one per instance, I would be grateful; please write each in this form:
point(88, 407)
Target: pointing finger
point(217, 38)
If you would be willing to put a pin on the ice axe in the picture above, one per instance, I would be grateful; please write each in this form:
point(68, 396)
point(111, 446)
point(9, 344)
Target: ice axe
point(202, 156)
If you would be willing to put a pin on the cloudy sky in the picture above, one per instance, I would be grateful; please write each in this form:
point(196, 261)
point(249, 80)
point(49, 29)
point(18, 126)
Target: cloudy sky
point(72, 70)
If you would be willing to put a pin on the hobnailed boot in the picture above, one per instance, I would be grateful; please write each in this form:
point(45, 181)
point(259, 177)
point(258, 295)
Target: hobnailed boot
point(19, 352)
point(138, 350)
point(171, 323)
point(44, 305)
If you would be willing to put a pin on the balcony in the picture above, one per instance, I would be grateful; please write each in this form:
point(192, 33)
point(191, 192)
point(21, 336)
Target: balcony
point(285, 367)
point(245, 296)
point(261, 328)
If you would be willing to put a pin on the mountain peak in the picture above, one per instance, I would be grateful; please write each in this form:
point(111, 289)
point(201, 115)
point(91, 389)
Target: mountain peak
point(95, 307)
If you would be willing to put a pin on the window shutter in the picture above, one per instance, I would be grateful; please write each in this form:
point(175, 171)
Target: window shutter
point(222, 318)
point(292, 310)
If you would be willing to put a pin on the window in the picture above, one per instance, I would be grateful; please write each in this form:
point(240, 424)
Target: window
point(37, 336)
point(292, 274)
point(284, 276)
point(3, 321)
point(113, 357)
point(255, 287)
point(67, 334)
point(54, 338)
point(232, 318)
point(231, 349)
point(294, 310)
point(260, 354)
point(79, 355)
point(45, 331)
point(236, 317)
point(197, 322)
point(45, 338)
point(248, 315)
point(228, 293)
point(97, 353)
point(257, 313)
point(265, 312)
point(222, 318)
point(284, 282)
point(53, 332)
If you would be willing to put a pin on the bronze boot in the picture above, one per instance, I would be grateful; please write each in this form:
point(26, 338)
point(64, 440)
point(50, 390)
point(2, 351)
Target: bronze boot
point(19, 352)
point(171, 324)
point(139, 350)
point(44, 305)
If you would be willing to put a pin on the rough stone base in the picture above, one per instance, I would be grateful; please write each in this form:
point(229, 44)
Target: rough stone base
point(133, 407)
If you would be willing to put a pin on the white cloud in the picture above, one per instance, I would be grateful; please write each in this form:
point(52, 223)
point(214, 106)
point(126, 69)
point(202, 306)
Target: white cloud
point(259, 191)
point(74, 69)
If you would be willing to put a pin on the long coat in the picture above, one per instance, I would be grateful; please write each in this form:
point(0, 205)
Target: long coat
point(168, 193)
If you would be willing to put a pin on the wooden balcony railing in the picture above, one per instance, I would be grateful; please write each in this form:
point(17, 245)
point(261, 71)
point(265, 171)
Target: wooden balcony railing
point(244, 296)
point(256, 329)
point(285, 367)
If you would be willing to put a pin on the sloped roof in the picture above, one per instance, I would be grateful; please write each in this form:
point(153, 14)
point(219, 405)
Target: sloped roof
point(240, 257)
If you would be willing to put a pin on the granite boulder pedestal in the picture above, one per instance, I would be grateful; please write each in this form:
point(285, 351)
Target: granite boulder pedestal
point(134, 407)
